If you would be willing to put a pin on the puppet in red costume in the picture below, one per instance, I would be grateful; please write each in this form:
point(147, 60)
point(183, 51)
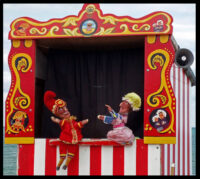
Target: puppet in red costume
point(70, 129)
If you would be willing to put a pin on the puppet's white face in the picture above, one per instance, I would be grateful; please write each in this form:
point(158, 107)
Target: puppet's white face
point(124, 107)
point(63, 112)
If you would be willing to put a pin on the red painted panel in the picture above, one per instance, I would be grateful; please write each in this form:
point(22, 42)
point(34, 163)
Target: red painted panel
point(158, 93)
point(118, 160)
point(141, 158)
point(20, 102)
point(25, 159)
point(73, 168)
point(50, 163)
point(95, 160)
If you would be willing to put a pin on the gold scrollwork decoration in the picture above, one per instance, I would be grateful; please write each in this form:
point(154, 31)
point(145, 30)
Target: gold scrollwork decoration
point(20, 62)
point(34, 30)
point(139, 26)
point(157, 59)
point(22, 65)
point(145, 27)
point(163, 98)
point(52, 30)
point(109, 19)
point(104, 31)
point(125, 28)
point(162, 58)
point(70, 21)
point(73, 32)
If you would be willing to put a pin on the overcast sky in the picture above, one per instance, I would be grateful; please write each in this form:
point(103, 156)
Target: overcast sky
point(184, 24)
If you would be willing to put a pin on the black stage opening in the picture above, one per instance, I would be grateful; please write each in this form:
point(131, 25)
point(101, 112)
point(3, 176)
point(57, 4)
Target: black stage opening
point(88, 73)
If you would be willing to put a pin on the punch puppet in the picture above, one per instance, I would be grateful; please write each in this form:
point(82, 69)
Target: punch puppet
point(70, 129)
point(121, 133)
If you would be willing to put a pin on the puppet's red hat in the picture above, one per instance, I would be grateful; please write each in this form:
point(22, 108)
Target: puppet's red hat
point(51, 102)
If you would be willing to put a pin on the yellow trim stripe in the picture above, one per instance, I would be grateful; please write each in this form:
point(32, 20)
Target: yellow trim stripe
point(159, 140)
point(19, 140)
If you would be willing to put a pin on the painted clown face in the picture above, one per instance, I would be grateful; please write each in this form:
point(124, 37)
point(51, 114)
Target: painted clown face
point(124, 107)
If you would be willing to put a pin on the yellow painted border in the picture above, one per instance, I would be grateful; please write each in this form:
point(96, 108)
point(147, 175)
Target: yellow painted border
point(160, 140)
point(19, 140)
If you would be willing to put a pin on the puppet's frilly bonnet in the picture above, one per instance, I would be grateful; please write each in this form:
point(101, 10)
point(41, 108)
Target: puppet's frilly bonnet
point(134, 100)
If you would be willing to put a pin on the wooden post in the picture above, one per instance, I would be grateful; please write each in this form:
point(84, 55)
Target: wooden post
point(172, 169)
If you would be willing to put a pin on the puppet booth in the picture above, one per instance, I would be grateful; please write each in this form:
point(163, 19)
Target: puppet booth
point(86, 62)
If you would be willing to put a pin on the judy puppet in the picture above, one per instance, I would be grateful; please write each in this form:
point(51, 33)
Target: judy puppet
point(121, 133)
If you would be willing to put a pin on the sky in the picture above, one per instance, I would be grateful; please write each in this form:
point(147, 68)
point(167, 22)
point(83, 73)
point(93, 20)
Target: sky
point(184, 26)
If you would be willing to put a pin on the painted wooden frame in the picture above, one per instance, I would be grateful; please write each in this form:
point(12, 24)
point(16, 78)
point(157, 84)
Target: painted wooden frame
point(91, 22)
point(158, 94)
point(19, 125)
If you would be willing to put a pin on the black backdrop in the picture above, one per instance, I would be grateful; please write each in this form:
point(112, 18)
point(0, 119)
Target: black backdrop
point(89, 79)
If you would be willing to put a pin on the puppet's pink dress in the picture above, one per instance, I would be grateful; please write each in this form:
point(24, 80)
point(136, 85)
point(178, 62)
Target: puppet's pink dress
point(120, 133)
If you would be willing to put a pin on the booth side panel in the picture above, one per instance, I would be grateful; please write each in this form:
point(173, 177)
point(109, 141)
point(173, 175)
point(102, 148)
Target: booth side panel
point(136, 159)
point(160, 101)
point(179, 154)
point(19, 124)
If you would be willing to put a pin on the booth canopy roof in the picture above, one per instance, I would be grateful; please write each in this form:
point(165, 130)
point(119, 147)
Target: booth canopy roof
point(91, 22)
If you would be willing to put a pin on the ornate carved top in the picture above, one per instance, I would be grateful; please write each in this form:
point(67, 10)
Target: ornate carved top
point(91, 22)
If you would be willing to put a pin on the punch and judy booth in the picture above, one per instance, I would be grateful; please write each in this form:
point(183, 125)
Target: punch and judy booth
point(90, 60)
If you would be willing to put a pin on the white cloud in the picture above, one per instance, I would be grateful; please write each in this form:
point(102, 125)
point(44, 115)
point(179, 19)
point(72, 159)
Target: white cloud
point(184, 36)
point(6, 77)
point(5, 35)
point(5, 93)
point(5, 57)
point(138, 10)
point(179, 26)
point(41, 12)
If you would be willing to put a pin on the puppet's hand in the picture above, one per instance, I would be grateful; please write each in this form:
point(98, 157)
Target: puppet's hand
point(56, 120)
point(109, 108)
point(84, 121)
point(101, 117)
